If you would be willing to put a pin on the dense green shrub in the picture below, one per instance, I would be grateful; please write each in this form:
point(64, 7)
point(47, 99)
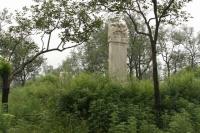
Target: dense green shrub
point(149, 128)
point(92, 103)
point(181, 123)
point(6, 121)
point(95, 99)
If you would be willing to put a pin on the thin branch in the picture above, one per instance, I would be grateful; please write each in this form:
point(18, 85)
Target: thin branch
point(136, 26)
point(60, 44)
point(145, 19)
point(164, 13)
point(42, 41)
point(13, 50)
point(19, 69)
point(49, 40)
point(150, 20)
point(148, 65)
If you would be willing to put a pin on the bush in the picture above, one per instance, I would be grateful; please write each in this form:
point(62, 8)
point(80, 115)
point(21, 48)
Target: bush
point(181, 123)
point(149, 128)
point(92, 103)
point(6, 121)
point(95, 99)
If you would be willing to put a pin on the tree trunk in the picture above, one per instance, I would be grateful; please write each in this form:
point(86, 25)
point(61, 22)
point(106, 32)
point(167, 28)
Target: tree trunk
point(5, 92)
point(131, 72)
point(157, 98)
point(23, 81)
point(168, 69)
point(136, 70)
point(192, 62)
point(130, 67)
point(139, 69)
point(175, 67)
point(140, 74)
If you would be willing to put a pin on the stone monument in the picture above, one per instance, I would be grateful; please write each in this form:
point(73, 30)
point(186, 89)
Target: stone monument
point(118, 44)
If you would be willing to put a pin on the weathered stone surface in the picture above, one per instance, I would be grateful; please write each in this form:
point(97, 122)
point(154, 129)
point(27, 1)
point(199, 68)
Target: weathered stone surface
point(118, 43)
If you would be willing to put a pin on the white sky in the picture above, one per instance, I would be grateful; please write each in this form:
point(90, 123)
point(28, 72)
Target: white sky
point(56, 58)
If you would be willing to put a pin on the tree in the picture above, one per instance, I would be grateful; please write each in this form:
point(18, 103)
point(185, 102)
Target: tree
point(92, 56)
point(139, 53)
point(153, 13)
point(5, 18)
point(167, 47)
point(191, 45)
point(46, 69)
point(29, 72)
point(16, 51)
point(5, 70)
point(72, 20)
point(73, 64)
point(178, 61)
point(95, 53)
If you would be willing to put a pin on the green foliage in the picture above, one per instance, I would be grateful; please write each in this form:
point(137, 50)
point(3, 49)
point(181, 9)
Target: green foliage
point(95, 52)
point(149, 128)
point(139, 52)
point(6, 120)
point(5, 67)
point(181, 91)
point(73, 19)
point(18, 50)
point(92, 103)
point(107, 106)
point(181, 123)
point(124, 127)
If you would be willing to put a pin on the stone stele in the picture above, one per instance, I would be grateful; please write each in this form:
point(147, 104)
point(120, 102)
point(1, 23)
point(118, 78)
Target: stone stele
point(118, 44)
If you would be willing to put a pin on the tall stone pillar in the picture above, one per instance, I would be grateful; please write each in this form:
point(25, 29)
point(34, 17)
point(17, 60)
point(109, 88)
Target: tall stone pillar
point(118, 44)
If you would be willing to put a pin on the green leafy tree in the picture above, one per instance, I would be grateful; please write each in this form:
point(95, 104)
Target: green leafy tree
point(30, 71)
point(95, 53)
point(17, 51)
point(5, 18)
point(70, 21)
point(153, 14)
point(139, 53)
point(169, 49)
point(191, 45)
point(178, 61)
point(72, 65)
point(93, 56)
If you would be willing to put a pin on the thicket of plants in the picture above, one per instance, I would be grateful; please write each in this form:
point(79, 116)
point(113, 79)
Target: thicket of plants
point(91, 103)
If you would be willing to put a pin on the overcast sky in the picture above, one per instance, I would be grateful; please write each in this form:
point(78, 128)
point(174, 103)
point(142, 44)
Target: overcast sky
point(56, 58)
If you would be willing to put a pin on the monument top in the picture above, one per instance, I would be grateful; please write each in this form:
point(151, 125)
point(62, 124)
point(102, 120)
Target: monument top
point(118, 33)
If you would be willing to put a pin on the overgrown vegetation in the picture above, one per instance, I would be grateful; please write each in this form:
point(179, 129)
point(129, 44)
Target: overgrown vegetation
point(68, 101)
point(92, 103)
